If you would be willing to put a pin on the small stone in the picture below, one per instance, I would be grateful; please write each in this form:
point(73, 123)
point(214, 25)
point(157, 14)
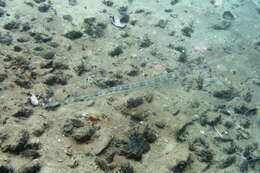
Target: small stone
point(83, 134)
point(44, 8)
point(73, 35)
point(116, 51)
point(23, 113)
point(32, 167)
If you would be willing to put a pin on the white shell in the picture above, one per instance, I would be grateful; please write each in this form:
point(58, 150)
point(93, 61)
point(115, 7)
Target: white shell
point(34, 100)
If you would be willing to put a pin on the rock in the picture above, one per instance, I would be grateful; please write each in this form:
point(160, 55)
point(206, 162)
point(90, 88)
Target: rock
point(44, 8)
point(13, 25)
point(3, 76)
point(48, 55)
point(174, 2)
point(227, 94)
point(19, 144)
point(108, 3)
point(224, 25)
point(162, 23)
point(146, 42)
point(138, 143)
point(32, 167)
point(6, 169)
point(180, 167)
point(58, 78)
point(187, 31)
point(126, 168)
point(134, 102)
point(94, 29)
point(23, 83)
point(23, 113)
point(6, 39)
point(102, 164)
point(2, 12)
point(2, 3)
point(83, 134)
point(116, 51)
point(41, 37)
point(73, 35)
point(70, 124)
point(228, 15)
point(227, 162)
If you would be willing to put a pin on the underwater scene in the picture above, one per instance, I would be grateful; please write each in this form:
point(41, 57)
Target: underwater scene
point(129, 86)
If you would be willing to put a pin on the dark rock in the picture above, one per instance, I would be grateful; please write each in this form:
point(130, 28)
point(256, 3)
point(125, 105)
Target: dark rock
point(138, 143)
point(248, 97)
point(146, 42)
point(108, 3)
point(228, 124)
point(134, 102)
point(67, 17)
point(57, 79)
point(2, 3)
point(160, 124)
point(73, 2)
point(70, 124)
point(32, 167)
point(94, 29)
point(210, 120)
point(223, 139)
point(162, 23)
point(17, 48)
point(174, 2)
point(245, 110)
point(137, 116)
point(48, 55)
point(19, 144)
point(39, 1)
point(126, 168)
point(183, 57)
point(227, 95)
point(187, 31)
point(73, 35)
point(228, 15)
point(23, 83)
point(12, 25)
point(133, 72)
point(82, 68)
point(6, 169)
point(227, 162)
point(103, 165)
point(6, 39)
point(136, 147)
point(44, 8)
point(40, 37)
point(116, 51)
point(26, 27)
point(30, 153)
point(107, 83)
point(23, 113)
point(231, 149)
point(83, 134)
point(3, 76)
point(181, 134)
point(180, 167)
point(2, 12)
point(224, 25)
point(123, 10)
point(125, 18)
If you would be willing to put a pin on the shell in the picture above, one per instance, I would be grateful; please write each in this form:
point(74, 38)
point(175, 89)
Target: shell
point(34, 101)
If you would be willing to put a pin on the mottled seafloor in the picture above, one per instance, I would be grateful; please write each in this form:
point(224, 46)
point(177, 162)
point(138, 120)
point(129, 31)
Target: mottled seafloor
point(205, 120)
